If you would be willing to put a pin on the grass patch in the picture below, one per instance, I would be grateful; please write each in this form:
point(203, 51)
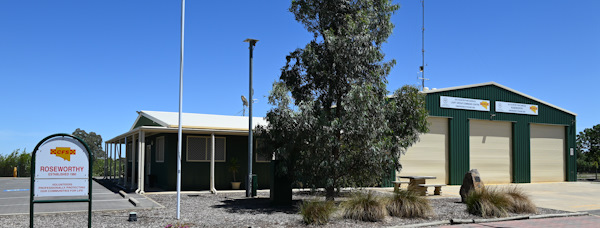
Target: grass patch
point(408, 204)
point(495, 202)
point(364, 207)
point(317, 212)
point(488, 202)
point(519, 201)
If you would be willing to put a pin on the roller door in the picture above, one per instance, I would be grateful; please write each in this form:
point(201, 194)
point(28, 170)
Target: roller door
point(428, 157)
point(490, 150)
point(547, 153)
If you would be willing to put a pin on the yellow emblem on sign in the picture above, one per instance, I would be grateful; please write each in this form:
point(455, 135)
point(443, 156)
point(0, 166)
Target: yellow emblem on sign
point(534, 109)
point(63, 152)
point(485, 104)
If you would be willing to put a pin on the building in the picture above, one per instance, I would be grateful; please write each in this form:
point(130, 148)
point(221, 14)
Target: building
point(155, 156)
point(510, 137)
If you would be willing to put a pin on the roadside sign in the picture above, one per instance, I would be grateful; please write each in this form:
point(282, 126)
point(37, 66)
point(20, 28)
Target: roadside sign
point(61, 166)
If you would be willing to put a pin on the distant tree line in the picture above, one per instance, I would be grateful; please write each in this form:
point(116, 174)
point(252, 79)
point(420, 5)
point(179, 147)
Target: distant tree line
point(22, 159)
point(588, 150)
point(19, 159)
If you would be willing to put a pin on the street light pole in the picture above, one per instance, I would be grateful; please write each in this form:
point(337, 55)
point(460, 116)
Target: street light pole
point(249, 179)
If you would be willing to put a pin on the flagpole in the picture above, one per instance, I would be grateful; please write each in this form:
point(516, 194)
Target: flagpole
point(179, 135)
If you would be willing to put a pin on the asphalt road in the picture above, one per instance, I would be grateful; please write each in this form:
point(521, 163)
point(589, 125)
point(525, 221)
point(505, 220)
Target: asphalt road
point(14, 199)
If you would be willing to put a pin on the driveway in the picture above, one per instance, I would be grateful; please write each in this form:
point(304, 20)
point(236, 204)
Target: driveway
point(14, 199)
point(566, 196)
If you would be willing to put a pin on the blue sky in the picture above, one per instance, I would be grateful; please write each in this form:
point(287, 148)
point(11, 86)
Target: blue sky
point(93, 64)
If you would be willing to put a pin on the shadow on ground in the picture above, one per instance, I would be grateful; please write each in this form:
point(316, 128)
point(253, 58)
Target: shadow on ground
point(108, 184)
point(256, 206)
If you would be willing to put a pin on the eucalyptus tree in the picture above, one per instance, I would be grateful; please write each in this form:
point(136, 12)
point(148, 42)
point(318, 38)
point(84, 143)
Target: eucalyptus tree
point(332, 124)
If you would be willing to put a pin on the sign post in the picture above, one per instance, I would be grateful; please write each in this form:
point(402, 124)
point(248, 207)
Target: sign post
point(61, 165)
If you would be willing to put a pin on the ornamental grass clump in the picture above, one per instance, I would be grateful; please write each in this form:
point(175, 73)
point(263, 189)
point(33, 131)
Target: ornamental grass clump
point(317, 212)
point(408, 204)
point(488, 202)
point(519, 201)
point(364, 207)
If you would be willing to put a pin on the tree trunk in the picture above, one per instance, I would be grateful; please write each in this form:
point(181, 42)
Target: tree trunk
point(329, 193)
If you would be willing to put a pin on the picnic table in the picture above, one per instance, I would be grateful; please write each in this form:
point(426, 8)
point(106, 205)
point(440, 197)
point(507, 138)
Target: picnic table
point(416, 183)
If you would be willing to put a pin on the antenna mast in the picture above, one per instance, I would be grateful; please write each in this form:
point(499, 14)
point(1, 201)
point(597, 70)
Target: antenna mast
point(422, 68)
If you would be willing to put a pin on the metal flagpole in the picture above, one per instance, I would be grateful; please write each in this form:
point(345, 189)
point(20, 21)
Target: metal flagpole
point(180, 108)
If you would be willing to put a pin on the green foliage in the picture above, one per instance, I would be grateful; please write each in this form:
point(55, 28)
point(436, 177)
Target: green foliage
point(317, 212)
point(233, 166)
point(519, 201)
point(21, 160)
point(588, 149)
point(408, 204)
point(364, 207)
point(94, 142)
point(332, 124)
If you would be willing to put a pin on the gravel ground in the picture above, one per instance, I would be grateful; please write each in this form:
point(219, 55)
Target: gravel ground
point(230, 210)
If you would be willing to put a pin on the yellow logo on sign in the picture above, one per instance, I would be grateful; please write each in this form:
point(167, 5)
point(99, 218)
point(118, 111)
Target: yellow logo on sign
point(533, 108)
point(484, 104)
point(63, 152)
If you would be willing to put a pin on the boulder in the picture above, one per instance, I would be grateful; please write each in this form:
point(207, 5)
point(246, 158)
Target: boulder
point(471, 182)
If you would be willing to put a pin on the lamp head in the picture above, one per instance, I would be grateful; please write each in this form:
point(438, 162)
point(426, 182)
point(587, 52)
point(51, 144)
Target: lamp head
point(251, 41)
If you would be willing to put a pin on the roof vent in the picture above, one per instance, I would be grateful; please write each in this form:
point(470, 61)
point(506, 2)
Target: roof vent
point(434, 89)
point(425, 88)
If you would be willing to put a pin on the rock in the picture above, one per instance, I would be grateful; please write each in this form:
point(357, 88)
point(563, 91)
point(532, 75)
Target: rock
point(471, 182)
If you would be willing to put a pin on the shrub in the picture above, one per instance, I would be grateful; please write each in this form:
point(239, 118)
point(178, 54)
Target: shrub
point(519, 201)
point(364, 207)
point(408, 204)
point(316, 212)
point(488, 202)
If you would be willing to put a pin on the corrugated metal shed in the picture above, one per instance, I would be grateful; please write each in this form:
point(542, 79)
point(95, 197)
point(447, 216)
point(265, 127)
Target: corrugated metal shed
point(459, 127)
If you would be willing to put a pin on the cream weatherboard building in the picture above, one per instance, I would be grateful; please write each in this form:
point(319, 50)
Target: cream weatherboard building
point(510, 137)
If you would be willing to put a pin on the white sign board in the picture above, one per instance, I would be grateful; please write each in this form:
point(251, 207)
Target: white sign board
point(61, 168)
point(464, 103)
point(518, 108)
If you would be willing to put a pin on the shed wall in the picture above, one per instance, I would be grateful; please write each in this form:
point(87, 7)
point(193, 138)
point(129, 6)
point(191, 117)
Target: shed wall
point(459, 129)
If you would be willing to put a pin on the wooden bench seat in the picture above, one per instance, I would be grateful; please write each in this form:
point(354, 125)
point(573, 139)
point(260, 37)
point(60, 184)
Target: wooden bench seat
point(438, 188)
point(397, 184)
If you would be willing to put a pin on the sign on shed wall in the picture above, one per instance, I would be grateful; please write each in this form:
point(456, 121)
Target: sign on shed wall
point(464, 103)
point(517, 108)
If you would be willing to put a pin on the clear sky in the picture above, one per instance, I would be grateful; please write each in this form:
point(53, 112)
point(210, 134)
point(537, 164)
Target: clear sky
point(93, 64)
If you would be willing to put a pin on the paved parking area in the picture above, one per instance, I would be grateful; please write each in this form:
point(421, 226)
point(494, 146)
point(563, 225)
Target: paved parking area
point(14, 199)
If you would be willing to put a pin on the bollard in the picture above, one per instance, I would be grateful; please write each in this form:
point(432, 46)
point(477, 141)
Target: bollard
point(15, 172)
point(254, 184)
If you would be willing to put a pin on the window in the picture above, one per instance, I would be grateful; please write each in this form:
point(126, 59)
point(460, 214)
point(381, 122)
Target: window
point(260, 145)
point(198, 148)
point(160, 149)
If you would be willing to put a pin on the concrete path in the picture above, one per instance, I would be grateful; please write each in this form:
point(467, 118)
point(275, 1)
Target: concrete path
point(14, 199)
point(579, 222)
point(565, 196)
